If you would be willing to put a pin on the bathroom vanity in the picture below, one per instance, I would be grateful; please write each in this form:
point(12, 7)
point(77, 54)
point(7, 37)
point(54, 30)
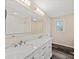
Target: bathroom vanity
point(40, 48)
point(21, 20)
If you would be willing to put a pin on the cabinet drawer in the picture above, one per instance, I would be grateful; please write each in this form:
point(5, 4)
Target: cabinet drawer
point(34, 55)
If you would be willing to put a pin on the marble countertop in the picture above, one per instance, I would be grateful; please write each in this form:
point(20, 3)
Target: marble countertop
point(26, 49)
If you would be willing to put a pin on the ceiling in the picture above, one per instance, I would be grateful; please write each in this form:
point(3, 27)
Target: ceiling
point(56, 7)
point(14, 8)
point(51, 7)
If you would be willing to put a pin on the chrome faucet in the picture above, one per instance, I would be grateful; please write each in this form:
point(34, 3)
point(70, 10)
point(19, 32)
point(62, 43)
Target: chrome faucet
point(22, 42)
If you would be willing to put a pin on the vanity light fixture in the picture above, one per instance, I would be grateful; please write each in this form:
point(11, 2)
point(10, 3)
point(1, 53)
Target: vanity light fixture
point(28, 2)
point(34, 19)
point(24, 2)
point(39, 11)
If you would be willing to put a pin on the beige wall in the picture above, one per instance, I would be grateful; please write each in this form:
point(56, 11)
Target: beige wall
point(66, 37)
point(37, 27)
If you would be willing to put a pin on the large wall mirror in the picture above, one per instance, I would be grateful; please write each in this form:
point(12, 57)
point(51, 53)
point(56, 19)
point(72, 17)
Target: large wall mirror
point(17, 24)
point(21, 20)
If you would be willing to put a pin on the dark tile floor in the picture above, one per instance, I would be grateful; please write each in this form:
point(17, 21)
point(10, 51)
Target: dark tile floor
point(61, 55)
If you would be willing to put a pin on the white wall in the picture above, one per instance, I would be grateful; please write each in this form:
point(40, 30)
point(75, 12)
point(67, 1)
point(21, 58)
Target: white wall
point(66, 37)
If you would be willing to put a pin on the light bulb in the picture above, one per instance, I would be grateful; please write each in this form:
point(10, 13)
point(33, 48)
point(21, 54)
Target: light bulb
point(22, 0)
point(27, 2)
point(34, 19)
point(39, 11)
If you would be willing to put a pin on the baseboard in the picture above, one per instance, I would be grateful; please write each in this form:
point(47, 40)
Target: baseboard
point(65, 49)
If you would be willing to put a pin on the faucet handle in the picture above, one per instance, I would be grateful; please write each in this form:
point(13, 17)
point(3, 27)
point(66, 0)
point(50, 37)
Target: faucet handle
point(20, 43)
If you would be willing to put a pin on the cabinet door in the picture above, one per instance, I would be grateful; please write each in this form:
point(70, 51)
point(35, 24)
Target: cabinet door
point(36, 56)
point(49, 52)
point(43, 53)
point(42, 56)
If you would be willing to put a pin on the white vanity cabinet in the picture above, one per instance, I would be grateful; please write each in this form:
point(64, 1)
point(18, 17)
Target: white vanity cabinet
point(49, 51)
point(34, 55)
point(40, 54)
point(41, 50)
point(44, 52)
